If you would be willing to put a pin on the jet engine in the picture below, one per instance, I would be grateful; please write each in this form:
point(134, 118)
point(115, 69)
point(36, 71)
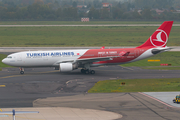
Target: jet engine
point(66, 67)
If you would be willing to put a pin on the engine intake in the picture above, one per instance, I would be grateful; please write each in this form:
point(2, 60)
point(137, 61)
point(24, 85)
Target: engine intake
point(66, 67)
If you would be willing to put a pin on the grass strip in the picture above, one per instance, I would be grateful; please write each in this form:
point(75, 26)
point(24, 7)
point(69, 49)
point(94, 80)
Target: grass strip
point(79, 36)
point(162, 67)
point(136, 85)
point(172, 58)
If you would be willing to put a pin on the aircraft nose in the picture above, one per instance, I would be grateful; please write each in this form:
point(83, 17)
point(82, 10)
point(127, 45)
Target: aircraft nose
point(4, 61)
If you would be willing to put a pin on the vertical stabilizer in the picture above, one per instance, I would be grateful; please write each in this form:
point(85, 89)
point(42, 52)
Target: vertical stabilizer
point(160, 37)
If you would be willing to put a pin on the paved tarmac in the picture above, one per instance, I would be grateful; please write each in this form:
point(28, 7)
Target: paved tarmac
point(45, 87)
point(61, 113)
point(166, 97)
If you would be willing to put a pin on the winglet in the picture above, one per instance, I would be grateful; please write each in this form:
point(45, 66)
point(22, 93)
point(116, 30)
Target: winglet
point(160, 37)
point(102, 47)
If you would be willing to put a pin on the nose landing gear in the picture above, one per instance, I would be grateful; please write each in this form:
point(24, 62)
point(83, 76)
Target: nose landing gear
point(21, 70)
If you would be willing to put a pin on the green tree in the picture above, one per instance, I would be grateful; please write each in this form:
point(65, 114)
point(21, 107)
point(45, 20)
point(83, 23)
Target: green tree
point(105, 14)
point(117, 12)
point(93, 13)
point(22, 13)
point(74, 4)
point(3, 11)
point(37, 11)
point(97, 4)
point(70, 12)
point(136, 15)
point(176, 4)
point(59, 13)
point(146, 14)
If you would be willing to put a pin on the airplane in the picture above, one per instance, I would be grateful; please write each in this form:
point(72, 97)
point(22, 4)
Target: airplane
point(68, 60)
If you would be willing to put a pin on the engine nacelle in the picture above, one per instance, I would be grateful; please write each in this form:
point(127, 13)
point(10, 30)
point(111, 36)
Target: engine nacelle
point(66, 67)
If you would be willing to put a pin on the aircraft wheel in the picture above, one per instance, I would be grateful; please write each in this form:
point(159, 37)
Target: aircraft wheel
point(86, 71)
point(92, 72)
point(21, 72)
point(82, 71)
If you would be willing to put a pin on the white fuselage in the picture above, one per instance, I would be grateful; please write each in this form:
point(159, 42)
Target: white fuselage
point(42, 58)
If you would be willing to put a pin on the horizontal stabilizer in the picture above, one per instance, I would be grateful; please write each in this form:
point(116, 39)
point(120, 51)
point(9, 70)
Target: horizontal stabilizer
point(156, 51)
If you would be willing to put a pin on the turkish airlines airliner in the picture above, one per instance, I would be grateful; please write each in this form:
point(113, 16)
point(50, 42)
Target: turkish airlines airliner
point(68, 60)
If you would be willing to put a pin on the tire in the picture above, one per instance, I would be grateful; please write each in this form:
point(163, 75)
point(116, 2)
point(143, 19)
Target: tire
point(92, 72)
point(21, 72)
point(86, 71)
point(82, 71)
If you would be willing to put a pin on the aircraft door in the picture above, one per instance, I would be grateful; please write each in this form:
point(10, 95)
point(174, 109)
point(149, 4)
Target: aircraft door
point(136, 53)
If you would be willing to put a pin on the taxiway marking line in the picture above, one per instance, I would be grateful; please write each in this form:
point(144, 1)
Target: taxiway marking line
point(11, 76)
point(24, 75)
point(48, 71)
point(5, 115)
point(111, 70)
point(127, 68)
point(118, 70)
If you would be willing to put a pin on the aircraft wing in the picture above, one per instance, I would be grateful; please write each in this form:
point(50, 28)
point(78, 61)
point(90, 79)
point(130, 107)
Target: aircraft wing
point(89, 60)
point(96, 59)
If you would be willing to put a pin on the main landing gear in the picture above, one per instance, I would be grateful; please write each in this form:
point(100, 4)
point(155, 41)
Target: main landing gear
point(87, 71)
point(21, 70)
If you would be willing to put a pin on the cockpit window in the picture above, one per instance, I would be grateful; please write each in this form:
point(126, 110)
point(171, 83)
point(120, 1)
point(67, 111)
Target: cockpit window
point(9, 56)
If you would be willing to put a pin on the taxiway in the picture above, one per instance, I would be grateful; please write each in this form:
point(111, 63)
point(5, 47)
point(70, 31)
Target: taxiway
point(45, 87)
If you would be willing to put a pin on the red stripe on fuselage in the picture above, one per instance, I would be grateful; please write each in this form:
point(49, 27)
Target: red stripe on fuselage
point(94, 53)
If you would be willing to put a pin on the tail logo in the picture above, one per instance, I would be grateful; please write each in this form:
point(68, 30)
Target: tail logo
point(159, 38)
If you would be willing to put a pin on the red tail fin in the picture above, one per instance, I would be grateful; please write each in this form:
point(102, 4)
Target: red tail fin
point(160, 37)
